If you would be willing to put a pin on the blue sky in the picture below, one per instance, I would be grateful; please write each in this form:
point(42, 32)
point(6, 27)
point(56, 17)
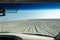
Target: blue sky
point(32, 14)
point(34, 11)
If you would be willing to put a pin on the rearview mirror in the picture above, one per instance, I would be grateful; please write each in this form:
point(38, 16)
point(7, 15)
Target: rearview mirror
point(2, 12)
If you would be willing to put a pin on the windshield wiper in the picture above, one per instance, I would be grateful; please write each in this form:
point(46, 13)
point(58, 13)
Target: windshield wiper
point(4, 32)
point(55, 38)
point(38, 35)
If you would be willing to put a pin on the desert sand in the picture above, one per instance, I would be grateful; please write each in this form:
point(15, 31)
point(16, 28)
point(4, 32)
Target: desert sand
point(49, 27)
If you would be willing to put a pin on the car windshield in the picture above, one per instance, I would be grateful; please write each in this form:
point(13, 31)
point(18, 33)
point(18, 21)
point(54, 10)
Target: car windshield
point(31, 18)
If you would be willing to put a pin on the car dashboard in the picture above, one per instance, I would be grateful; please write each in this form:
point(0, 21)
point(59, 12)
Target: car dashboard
point(13, 36)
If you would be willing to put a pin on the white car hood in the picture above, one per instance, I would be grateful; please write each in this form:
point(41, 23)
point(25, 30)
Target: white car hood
point(29, 37)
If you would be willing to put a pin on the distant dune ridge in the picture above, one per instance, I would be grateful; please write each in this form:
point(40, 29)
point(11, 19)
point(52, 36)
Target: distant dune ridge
point(49, 27)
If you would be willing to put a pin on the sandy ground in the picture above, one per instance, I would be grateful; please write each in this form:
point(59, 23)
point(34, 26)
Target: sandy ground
point(49, 27)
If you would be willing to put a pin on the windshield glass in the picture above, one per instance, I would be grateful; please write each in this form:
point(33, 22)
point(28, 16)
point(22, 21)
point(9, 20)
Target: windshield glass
point(34, 18)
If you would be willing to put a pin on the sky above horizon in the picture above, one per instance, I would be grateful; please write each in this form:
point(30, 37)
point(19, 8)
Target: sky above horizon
point(32, 14)
point(28, 11)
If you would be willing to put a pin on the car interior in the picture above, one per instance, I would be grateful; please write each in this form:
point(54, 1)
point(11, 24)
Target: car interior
point(29, 20)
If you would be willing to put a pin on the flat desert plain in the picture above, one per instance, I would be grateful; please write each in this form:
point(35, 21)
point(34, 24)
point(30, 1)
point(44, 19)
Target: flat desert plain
point(49, 27)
